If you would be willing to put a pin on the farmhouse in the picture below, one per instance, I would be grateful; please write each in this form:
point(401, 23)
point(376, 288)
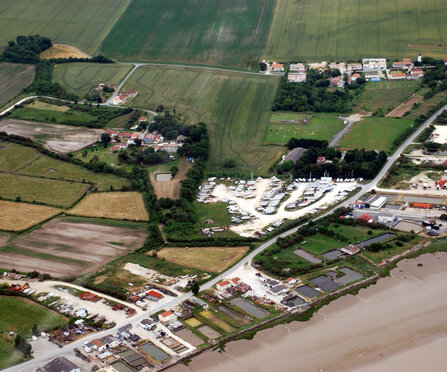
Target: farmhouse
point(298, 67)
point(417, 72)
point(374, 64)
point(338, 66)
point(296, 78)
point(60, 364)
point(294, 155)
point(406, 64)
point(277, 67)
point(354, 67)
point(336, 82)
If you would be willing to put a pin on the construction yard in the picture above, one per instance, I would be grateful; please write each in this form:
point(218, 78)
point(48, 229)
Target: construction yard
point(116, 205)
point(21, 216)
point(67, 247)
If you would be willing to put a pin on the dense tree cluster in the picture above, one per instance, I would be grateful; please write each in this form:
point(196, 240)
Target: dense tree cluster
point(26, 49)
point(168, 126)
point(314, 95)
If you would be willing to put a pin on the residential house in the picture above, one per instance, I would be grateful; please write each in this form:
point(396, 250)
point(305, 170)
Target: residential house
point(142, 120)
point(338, 66)
point(166, 317)
point(111, 341)
point(291, 281)
point(148, 324)
point(222, 286)
point(318, 65)
point(235, 281)
point(351, 249)
point(373, 75)
point(277, 67)
point(298, 67)
point(112, 133)
point(95, 344)
point(60, 364)
point(406, 64)
point(125, 135)
point(321, 160)
point(336, 82)
point(397, 75)
point(417, 72)
point(149, 138)
point(374, 64)
point(355, 76)
point(294, 155)
point(296, 78)
point(116, 148)
point(171, 147)
point(135, 136)
point(351, 67)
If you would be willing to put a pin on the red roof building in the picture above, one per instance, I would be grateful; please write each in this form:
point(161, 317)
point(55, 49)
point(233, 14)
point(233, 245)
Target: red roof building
point(154, 294)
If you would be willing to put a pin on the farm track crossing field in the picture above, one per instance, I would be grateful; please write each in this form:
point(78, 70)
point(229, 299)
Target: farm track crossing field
point(21, 216)
point(14, 157)
point(120, 205)
point(79, 78)
point(19, 315)
point(319, 127)
point(83, 23)
point(41, 190)
point(210, 32)
point(352, 29)
point(66, 247)
point(235, 106)
point(13, 78)
point(56, 137)
point(215, 259)
point(375, 133)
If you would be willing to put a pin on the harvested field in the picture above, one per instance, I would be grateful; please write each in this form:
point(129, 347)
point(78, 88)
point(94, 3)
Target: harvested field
point(170, 189)
point(63, 51)
point(189, 337)
point(400, 110)
point(77, 246)
point(209, 332)
point(83, 23)
point(215, 259)
point(59, 138)
point(41, 190)
point(13, 78)
point(21, 216)
point(119, 205)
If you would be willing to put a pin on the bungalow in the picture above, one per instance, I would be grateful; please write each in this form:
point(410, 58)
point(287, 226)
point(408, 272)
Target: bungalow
point(296, 78)
point(406, 64)
point(298, 67)
point(351, 249)
point(354, 67)
point(374, 64)
point(397, 75)
point(337, 81)
point(222, 286)
point(111, 341)
point(338, 66)
point(417, 72)
point(95, 344)
point(166, 317)
point(60, 364)
point(318, 65)
point(277, 67)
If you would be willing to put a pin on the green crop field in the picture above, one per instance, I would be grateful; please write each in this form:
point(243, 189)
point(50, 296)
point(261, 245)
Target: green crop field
point(281, 130)
point(384, 95)
point(19, 315)
point(236, 107)
point(331, 30)
point(375, 133)
point(52, 192)
point(14, 157)
point(79, 78)
point(13, 78)
point(211, 32)
point(83, 23)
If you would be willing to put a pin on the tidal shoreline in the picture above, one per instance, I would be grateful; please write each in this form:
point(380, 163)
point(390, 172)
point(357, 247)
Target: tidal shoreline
point(379, 329)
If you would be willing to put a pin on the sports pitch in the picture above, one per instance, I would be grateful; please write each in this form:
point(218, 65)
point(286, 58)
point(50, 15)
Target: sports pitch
point(210, 32)
point(353, 29)
point(235, 106)
point(83, 23)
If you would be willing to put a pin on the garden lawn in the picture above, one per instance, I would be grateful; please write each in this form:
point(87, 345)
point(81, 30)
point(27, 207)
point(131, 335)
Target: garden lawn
point(322, 128)
point(352, 29)
point(210, 32)
point(375, 133)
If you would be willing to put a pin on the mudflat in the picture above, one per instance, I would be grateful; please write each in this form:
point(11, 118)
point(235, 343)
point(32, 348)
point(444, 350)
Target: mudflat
point(398, 324)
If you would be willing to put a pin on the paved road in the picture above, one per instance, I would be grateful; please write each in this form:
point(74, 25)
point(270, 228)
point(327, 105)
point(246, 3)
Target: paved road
point(338, 136)
point(246, 261)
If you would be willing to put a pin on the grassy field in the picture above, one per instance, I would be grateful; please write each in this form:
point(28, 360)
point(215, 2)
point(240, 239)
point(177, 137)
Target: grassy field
point(235, 106)
point(21, 216)
point(374, 133)
point(324, 29)
point(119, 205)
point(50, 114)
point(214, 259)
point(20, 315)
point(384, 95)
point(426, 105)
point(14, 157)
point(13, 78)
point(83, 23)
point(323, 128)
point(52, 192)
point(79, 78)
point(210, 32)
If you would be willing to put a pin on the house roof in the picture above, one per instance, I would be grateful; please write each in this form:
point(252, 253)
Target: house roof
point(60, 364)
point(154, 294)
point(235, 281)
point(224, 283)
point(278, 288)
point(295, 154)
point(143, 118)
point(97, 342)
point(166, 314)
point(277, 65)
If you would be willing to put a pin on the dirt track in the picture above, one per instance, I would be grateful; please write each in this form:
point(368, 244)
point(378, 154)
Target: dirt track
point(400, 110)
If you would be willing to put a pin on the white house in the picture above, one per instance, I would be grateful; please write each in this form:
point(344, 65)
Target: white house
point(95, 344)
point(277, 67)
point(297, 67)
point(374, 64)
point(166, 316)
point(296, 78)
point(111, 341)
